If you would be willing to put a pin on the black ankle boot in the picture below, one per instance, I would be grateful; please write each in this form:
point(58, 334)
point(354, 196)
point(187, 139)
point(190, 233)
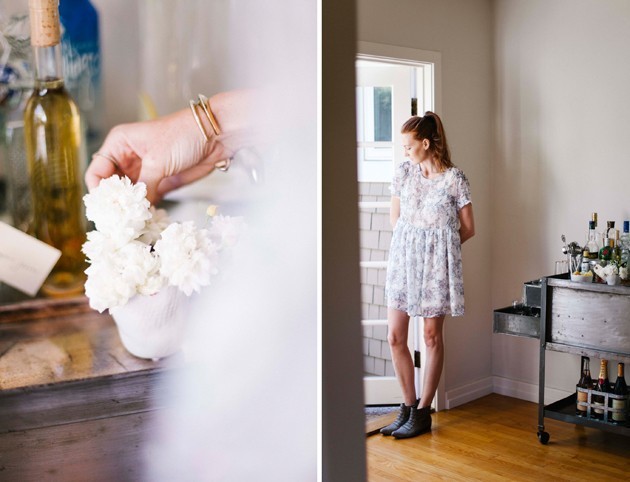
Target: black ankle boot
point(403, 416)
point(419, 421)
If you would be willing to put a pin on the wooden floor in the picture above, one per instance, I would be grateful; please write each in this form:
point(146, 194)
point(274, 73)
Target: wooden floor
point(494, 438)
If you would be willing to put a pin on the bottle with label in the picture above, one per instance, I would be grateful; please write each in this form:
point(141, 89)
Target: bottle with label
point(591, 242)
point(585, 382)
point(621, 389)
point(52, 135)
point(603, 385)
point(616, 255)
point(606, 251)
point(625, 243)
point(82, 65)
point(610, 228)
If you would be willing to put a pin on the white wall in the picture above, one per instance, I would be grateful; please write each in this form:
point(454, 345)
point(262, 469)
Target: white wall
point(462, 31)
point(562, 152)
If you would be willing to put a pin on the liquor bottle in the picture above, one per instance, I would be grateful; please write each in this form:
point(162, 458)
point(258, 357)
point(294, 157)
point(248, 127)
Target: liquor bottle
point(606, 251)
point(591, 242)
point(625, 242)
point(603, 385)
point(586, 382)
point(52, 135)
point(610, 227)
point(620, 389)
point(80, 47)
point(616, 255)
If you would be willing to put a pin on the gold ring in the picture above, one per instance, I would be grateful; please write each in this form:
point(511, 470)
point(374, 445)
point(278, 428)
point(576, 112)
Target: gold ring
point(224, 165)
point(105, 156)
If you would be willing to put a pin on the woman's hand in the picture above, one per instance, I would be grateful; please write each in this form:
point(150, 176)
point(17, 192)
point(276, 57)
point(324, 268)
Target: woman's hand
point(165, 154)
point(171, 151)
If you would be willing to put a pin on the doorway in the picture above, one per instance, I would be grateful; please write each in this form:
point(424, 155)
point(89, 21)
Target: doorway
point(392, 83)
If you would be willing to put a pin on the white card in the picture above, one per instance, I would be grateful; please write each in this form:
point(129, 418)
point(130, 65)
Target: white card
point(25, 262)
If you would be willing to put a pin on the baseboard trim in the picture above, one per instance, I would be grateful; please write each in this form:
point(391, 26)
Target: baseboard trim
point(525, 391)
point(502, 386)
point(468, 393)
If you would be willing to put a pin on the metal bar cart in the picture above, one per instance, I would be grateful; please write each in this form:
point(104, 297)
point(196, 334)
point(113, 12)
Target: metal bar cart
point(587, 319)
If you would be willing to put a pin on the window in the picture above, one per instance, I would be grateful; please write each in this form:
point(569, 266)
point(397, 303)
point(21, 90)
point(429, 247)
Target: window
point(384, 98)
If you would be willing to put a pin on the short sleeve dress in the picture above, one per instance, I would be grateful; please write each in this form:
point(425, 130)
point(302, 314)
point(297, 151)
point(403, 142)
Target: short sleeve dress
point(424, 271)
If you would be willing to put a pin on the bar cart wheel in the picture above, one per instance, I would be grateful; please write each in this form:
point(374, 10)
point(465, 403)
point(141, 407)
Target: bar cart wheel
point(543, 437)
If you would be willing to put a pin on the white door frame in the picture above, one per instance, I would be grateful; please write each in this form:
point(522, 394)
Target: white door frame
point(377, 387)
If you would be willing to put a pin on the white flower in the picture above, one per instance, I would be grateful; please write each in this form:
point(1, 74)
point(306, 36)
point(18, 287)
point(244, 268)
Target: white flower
point(623, 272)
point(118, 208)
point(188, 257)
point(97, 246)
point(604, 271)
point(158, 222)
point(123, 261)
point(116, 276)
point(226, 230)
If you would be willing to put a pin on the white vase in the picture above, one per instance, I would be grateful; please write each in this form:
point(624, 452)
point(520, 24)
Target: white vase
point(613, 279)
point(152, 327)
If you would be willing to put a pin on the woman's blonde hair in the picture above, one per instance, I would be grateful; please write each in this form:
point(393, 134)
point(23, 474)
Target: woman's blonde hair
point(430, 127)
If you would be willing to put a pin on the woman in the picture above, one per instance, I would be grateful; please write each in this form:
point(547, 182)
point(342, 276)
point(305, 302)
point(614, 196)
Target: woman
point(432, 216)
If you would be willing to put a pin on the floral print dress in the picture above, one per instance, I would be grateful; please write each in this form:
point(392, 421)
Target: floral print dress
point(424, 272)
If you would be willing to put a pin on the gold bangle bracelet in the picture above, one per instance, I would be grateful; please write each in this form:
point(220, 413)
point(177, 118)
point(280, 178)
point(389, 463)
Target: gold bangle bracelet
point(205, 104)
point(193, 108)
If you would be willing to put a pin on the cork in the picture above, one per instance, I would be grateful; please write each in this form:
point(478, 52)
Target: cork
point(44, 15)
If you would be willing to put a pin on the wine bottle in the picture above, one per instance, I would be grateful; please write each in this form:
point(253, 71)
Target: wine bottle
point(603, 385)
point(585, 382)
point(52, 135)
point(621, 389)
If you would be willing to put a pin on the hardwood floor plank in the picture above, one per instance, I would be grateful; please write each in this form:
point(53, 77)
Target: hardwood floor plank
point(494, 438)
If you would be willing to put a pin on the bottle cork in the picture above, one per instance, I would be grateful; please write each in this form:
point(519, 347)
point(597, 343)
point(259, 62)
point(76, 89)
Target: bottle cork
point(44, 15)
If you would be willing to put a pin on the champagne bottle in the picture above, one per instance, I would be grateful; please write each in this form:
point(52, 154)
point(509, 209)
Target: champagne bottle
point(584, 382)
point(621, 389)
point(603, 385)
point(53, 135)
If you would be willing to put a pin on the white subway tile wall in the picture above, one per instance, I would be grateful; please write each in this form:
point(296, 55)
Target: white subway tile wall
point(375, 235)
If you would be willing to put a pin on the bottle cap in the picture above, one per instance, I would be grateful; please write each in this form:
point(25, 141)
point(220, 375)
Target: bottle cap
point(626, 226)
point(44, 15)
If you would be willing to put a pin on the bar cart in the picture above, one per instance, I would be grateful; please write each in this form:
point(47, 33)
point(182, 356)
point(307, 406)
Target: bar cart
point(587, 319)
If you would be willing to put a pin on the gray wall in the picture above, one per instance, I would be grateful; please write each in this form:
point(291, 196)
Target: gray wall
point(561, 107)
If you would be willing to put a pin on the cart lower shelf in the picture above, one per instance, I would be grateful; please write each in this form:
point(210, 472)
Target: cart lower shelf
point(564, 411)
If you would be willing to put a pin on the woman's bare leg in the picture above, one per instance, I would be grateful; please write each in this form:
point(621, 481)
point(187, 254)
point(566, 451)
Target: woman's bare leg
point(398, 323)
point(435, 358)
